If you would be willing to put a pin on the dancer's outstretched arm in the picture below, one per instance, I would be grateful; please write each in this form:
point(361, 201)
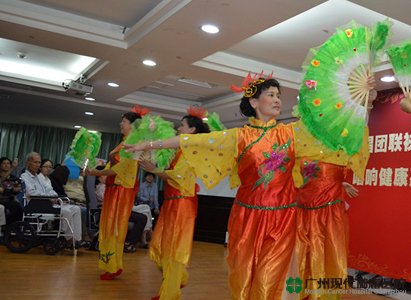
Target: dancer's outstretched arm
point(171, 143)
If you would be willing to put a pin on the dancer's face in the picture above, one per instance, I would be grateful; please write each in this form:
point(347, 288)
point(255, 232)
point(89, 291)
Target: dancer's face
point(185, 128)
point(268, 105)
point(125, 126)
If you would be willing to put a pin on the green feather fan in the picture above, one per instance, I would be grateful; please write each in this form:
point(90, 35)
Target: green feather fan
point(400, 58)
point(214, 123)
point(152, 128)
point(84, 148)
point(334, 92)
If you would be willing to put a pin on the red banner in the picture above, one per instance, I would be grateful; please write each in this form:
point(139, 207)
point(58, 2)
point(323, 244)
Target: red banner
point(380, 218)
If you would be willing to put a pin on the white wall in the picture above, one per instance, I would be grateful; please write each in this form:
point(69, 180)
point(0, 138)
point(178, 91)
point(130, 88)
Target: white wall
point(221, 190)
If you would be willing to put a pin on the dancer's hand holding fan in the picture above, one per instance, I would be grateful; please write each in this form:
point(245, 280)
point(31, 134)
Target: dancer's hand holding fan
point(400, 57)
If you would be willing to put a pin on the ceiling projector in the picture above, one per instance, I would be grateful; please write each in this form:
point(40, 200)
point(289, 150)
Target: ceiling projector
point(77, 86)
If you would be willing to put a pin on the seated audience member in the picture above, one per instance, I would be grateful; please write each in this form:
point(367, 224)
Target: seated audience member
point(40, 185)
point(100, 188)
point(74, 190)
point(148, 229)
point(59, 178)
point(148, 193)
point(136, 233)
point(2, 218)
point(16, 170)
point(46, 167)
point(10, 186)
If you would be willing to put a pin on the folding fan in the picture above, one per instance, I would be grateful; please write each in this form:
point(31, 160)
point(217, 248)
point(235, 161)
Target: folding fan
point(84, 148)
point(151, 128)
point(400, 57)
point(334, 94)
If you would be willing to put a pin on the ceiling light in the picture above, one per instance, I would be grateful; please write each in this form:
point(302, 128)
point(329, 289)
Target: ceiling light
point(112, 84)
point(149, 62)
point(89, 113)
point(77, 126)
point(387, 78)
point(90, 99)
point(92, 131)
point(210, 29)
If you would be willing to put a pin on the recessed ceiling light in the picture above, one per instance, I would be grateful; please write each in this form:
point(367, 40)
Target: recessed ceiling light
point(149, 62)
point(112, 84)
point(92, 131)
point(89, 113)
point(387, 78)
point(210, 29)
point(77, 126)
point(90, 99)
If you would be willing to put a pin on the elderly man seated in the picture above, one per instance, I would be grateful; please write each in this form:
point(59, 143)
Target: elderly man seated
point(35, 186)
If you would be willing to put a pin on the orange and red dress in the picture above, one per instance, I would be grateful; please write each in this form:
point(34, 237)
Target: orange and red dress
point(119, 198)
point(172, 239)
point(322, 221)
point(262, 225)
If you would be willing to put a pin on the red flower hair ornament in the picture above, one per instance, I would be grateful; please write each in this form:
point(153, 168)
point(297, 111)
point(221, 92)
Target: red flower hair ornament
point(197, 111)
point(249, 84)
point(141, 111)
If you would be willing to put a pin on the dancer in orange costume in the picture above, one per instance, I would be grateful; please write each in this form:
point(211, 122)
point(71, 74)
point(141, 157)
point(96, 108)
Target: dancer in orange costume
point(171, 243)
point(121, 189)
point(260, 159)
point(322, 228)
point(322, 221)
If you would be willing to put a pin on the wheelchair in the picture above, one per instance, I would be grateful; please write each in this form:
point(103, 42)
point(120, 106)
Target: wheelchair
point(41, 225)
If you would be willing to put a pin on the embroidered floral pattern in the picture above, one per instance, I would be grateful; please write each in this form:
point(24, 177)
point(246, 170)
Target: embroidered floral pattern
point(274, 160)
point(310, 170)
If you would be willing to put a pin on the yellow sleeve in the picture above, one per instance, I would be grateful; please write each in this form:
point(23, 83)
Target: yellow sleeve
point(126, 172)
point(308, 147)
point(358, 162)
point(182, 178)
point(212, 156)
